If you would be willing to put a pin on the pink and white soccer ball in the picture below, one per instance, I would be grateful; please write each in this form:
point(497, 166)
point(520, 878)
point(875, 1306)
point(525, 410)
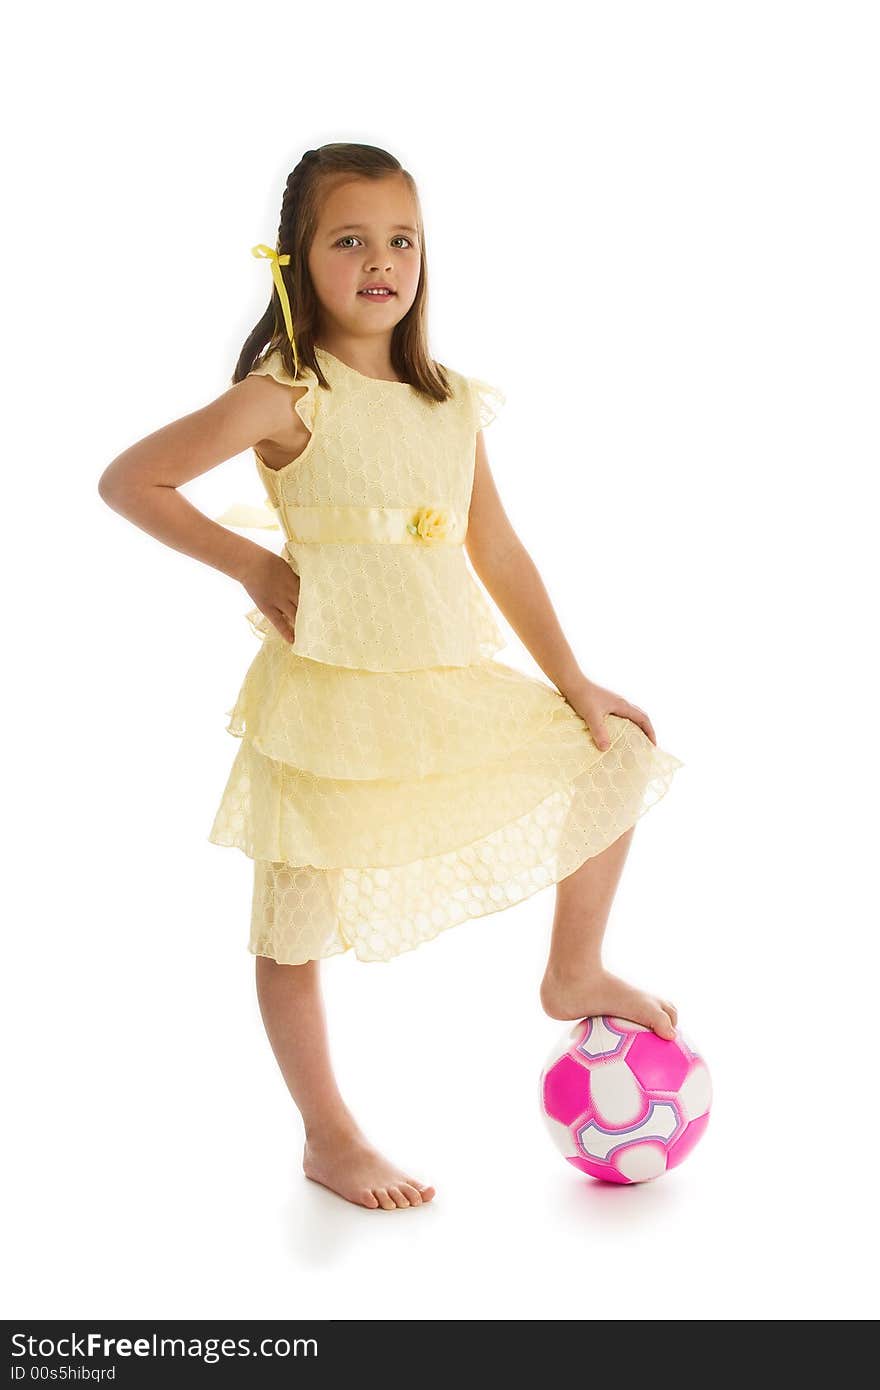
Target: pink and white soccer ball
point(623, 1104)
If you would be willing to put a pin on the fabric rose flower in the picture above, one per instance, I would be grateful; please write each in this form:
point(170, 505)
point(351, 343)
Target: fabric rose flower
point(428, 524)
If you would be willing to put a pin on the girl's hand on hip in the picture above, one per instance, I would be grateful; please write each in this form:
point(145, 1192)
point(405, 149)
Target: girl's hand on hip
point(592, 702)
point(273, 585)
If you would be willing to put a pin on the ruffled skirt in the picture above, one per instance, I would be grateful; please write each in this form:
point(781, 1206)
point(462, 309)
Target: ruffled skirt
point(381, 807)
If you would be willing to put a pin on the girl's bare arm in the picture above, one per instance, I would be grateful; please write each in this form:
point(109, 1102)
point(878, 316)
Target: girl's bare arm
point(141, 483)
point(509, 574)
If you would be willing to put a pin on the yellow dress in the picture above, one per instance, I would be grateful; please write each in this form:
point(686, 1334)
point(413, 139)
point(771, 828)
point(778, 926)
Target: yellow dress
point(393, 778)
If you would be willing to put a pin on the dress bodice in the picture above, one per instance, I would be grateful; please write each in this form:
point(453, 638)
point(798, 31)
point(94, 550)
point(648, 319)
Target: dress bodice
point(374, 513)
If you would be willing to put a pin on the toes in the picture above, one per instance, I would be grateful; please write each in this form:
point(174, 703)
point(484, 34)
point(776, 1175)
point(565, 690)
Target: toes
point(408, 1193)
point(425, 1191)
point(663, 1025)
point(671, 1010)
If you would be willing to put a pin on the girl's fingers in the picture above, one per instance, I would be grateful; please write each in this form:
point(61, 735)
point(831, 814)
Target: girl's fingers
point(280, 621)
point(645, 723)
point(595, 720)
point(600, 735)
point(638, 716)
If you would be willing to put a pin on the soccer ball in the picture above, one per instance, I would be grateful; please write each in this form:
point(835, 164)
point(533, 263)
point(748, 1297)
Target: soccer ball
point(622, 1103)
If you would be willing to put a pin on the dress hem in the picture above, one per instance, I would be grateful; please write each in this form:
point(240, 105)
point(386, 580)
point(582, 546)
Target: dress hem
point(563, 868)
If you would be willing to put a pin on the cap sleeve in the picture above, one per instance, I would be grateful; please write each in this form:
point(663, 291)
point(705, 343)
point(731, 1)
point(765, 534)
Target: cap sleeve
point(486, 401)
point(305, 406)
point(245, 514)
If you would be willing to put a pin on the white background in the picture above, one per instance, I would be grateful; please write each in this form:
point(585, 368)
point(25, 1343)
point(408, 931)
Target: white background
point(655, 226)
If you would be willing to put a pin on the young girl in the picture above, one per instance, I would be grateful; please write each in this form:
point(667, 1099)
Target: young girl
point(393, 778)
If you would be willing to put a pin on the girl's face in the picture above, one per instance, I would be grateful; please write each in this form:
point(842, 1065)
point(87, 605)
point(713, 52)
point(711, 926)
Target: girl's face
point(367, 232)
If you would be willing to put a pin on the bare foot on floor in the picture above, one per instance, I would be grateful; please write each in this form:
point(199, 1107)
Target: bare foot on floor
point(355, 1170)
point(586, 996)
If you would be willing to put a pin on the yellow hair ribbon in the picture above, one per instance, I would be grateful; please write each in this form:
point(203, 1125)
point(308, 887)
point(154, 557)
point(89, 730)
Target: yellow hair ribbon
point(261, 251)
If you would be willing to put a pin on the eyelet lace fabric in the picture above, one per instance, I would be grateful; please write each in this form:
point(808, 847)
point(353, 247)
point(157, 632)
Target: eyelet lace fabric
point(393, 778)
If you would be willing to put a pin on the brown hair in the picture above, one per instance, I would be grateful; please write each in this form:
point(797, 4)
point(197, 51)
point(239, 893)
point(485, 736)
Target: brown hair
point(300, 209)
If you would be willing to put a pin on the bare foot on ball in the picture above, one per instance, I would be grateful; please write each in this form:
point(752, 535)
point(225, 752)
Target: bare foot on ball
point(590, 995)
point(350, 1166)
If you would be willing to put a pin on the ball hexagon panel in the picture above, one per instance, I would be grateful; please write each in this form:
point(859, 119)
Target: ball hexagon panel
point(690, 1136)
point(566, 1090)
point(658, 1064)
point(695, 1093)
point(641, 1162)
point(617, 1097)
point(604, 1171)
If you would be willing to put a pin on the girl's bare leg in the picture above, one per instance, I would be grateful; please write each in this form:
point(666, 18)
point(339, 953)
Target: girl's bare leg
point(337, 1153)
point(575, 983)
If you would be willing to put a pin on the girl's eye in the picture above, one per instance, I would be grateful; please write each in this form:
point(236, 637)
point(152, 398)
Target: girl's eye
point(354, 238)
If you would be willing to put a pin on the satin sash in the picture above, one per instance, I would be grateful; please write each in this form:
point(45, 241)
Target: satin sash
point(341, 524)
